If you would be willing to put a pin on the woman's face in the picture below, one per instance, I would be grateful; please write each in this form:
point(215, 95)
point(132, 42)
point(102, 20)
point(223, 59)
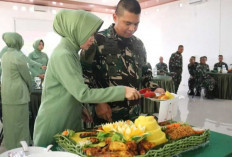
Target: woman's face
point(88, 43)
point(41, 46)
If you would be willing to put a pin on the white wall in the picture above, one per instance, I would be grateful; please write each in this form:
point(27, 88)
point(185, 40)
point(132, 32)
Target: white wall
point(204, 29)
point(34, 25)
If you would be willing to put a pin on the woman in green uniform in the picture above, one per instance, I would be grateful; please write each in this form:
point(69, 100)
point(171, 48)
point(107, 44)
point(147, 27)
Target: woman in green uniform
point(64, 89)
point(40, 57)
point(16, 87)
point(28, 60)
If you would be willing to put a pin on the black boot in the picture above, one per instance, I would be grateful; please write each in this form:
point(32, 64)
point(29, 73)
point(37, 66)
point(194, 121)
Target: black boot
point(198, 93)
point(209, 95)
point(191, 92)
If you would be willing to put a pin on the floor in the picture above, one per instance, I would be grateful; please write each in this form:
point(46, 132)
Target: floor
point(215, 115)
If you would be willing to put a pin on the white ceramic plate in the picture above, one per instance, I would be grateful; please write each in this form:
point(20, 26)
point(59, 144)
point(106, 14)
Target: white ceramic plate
point(31, 150)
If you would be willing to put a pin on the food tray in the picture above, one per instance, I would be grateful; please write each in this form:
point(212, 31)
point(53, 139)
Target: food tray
point(167, 150)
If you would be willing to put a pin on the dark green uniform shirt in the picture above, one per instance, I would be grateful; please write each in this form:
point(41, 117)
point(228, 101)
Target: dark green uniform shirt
point(162, 68)
point(220, 65)
point(114, 61)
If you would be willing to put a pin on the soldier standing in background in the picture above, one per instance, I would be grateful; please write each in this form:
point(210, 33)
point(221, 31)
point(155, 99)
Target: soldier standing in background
point(161, 67)
point(203, 79)
point(192, 71)
point(118, 58)
point(176, 66)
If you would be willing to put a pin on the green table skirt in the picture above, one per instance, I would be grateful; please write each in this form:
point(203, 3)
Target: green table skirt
point(223, 87)
point(149, 107)
point(165, 82)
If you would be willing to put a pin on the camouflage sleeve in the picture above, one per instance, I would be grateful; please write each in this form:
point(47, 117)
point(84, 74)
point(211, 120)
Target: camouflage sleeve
point(226, 66)
point(166, 69)
point(87, 60)
point(215, 66)
point(171, 62)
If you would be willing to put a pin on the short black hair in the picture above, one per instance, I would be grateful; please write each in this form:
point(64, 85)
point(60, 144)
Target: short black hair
point(220, 55)
point(180, 46)
point(204, 57)
point(132, 6)
point(193, 57)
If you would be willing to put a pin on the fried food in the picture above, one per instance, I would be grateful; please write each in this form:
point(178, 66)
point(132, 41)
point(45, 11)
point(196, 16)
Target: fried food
point(131, 145)
point(144, 146)
point(176, 133)
point(92, 151)
point(94, 140)
point(125, 154)
point(117, 146)
point(88, 134)
point(108, 140)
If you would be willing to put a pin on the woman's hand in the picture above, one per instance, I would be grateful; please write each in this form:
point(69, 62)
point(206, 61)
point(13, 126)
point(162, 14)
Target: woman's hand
point(131, 93)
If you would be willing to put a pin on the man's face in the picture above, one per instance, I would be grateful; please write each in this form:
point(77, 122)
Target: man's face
point(192, 60)
point(161, 59)
point(180, 49)
point(202, 60)
point(205, 59)
point(126, 24)
point(220, 58)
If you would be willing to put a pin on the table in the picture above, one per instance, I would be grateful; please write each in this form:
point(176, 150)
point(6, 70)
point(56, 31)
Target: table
point(34, 107)
point(165, 82)
point(223, 88)
point(220, 146)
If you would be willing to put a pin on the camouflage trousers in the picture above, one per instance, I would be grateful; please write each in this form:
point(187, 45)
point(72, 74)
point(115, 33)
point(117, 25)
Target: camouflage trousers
point(176, 77)
point(191, 83)
point(208, 84)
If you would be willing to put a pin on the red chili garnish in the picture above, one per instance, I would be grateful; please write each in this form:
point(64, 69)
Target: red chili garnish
point(149, 95)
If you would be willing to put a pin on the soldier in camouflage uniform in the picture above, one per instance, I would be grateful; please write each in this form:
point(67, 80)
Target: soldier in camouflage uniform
point(161, 67)
point(119, 58)
point(192, 71)
point(220, 63)
point(176, 65)
point(203, 79)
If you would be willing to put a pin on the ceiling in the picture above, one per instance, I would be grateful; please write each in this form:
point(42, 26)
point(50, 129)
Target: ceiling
point(104, 6)
point(102, 2)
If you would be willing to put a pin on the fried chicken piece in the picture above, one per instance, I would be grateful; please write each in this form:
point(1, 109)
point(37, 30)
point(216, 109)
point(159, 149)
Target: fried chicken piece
point(125, 154)
point(144, 146)
point(94, 140)
point(105, 149)
point(131, 145)
point(92, 151)
point(108, 140)
point(117, 146)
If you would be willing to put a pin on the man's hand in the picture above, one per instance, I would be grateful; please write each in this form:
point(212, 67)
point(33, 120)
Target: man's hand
point(41, 76)
point(86, 116)
point(160, 90)
point(104, 111)
point(44, 67)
